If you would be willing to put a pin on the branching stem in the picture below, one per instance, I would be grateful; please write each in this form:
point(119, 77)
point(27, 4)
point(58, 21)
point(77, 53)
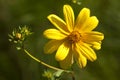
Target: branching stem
point(38, 60)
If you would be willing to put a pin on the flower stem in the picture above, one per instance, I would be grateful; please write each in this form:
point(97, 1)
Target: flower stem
point(43, 62)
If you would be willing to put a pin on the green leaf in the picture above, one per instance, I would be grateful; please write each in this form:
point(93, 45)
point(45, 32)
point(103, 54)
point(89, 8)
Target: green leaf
point(58, 73)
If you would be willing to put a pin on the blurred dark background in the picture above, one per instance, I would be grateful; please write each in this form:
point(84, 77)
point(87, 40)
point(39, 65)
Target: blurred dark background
point(15, 65)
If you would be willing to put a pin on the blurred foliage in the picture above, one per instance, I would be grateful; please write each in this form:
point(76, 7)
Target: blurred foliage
point(15, 65)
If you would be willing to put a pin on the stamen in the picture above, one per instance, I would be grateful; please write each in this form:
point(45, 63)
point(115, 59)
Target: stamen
point(75, 36)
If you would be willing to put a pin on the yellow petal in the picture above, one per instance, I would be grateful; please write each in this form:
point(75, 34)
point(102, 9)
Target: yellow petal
point(83, 15)
point(58, 23)
point(87, 51)
point(62, 51)
point(52, 46)
point(69, 17)
point(54, 34)
point(67, 62)
point(92, 36)
point(81, 60)
point(90, 24)
point(96, 45)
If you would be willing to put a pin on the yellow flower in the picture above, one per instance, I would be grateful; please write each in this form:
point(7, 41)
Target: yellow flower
point(73, 40)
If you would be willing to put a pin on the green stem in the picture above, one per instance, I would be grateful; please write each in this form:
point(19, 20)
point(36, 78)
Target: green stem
point(42, 61)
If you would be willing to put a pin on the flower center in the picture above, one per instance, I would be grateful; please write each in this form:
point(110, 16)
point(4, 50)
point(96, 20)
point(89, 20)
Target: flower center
point(75, 36)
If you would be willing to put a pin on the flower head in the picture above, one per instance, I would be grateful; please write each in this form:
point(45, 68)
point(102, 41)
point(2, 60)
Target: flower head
point(19, 35)
point(73, 40)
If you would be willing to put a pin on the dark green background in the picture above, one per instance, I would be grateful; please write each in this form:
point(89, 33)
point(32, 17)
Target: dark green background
point(15, 65)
